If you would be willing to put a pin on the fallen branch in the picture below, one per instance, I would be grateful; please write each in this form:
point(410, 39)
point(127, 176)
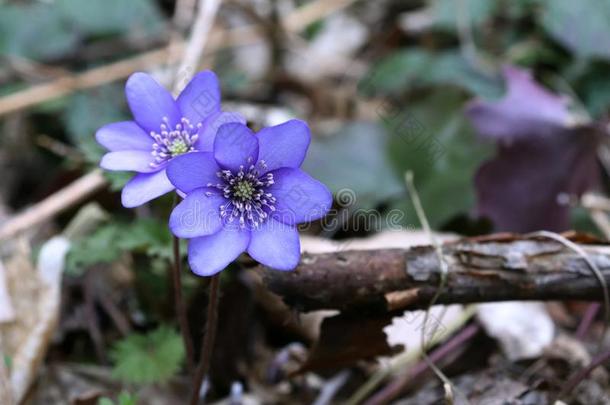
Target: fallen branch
point(54, 204)
point(496, 268)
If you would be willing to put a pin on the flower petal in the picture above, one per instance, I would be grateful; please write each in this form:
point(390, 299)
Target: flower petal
point(130, 160)
point(197, 215)
point(200, 98)
point(150, 102)
point(275, 245)
point(284, 145)
point(210, 254)
point(207, 133)
point(300, 198)
point(235, 145)
point(124, 135)
point(193, 170)
point(145, 187)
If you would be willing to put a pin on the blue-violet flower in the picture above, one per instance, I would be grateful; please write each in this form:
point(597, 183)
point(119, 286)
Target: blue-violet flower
point(163, 128)
point(248, 194)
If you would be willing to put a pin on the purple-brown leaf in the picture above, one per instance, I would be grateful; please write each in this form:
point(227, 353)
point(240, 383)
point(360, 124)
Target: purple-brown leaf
point(541, 157)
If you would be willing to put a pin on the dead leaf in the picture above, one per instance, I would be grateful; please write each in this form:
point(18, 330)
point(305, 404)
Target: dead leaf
point(524, 329)
point(348, 338)
point(406, 330)
point(7, 313)
point(6, 394)
point(35, 294)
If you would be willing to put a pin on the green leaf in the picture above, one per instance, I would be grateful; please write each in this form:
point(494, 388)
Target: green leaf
point(101, 247)
point(581, 26)
point(125, 398)
point(412, 68)
point(594, 88)
point(446, 12)
point(148, 358)
point(148, 235)
point(355, 158)
point(42, 31)
point(36, 30)
point(108, 242)
point(433, 139)
point(86, 112)
point(117, 179)
point(8, 361)
point(102, 17)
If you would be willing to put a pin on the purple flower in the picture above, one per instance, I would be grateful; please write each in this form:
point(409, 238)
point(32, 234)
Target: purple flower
point(247, 195)
point(163, 128)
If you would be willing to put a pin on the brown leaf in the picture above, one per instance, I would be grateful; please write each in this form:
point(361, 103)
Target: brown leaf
point(346, 339)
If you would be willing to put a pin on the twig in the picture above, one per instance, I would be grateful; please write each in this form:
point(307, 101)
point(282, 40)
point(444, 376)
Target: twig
point(208, 339)
point(407, 359)
point(180, 307)
point(580, 375)
point(419, 209)
point(29, 69)
point(312, 12)
point(92, 319)
point(119, 320)
point(493, 268)
point(199, 35)
point(331, 388)
point(59, 148)
point(54, 204)
point(396, 387)
point(183, 13)
point(587, 320)
point(88, 79)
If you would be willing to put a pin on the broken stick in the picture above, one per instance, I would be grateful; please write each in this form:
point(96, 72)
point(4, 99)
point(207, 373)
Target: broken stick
point(495, 268)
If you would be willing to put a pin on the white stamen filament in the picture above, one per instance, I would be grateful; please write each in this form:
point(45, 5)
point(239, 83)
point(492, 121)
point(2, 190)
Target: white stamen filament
point(247, 201)
point(173, 142)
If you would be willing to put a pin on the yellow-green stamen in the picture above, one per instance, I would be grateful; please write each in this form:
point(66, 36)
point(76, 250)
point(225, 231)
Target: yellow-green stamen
point(243, 190)
point(178, 147)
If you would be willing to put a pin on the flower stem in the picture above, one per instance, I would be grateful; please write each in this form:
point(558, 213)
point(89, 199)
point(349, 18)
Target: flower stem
point(208, 339)
point(181, 313)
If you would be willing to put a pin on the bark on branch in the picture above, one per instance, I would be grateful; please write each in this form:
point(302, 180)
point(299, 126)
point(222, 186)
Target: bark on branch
point(496, 268)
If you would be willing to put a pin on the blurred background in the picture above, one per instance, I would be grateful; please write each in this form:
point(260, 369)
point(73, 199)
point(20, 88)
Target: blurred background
point(498, 107)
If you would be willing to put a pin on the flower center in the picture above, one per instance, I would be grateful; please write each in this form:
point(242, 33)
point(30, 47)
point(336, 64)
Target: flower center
point(244, 190)
point(170, 142)
point(178, 147)
point(247, 199)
